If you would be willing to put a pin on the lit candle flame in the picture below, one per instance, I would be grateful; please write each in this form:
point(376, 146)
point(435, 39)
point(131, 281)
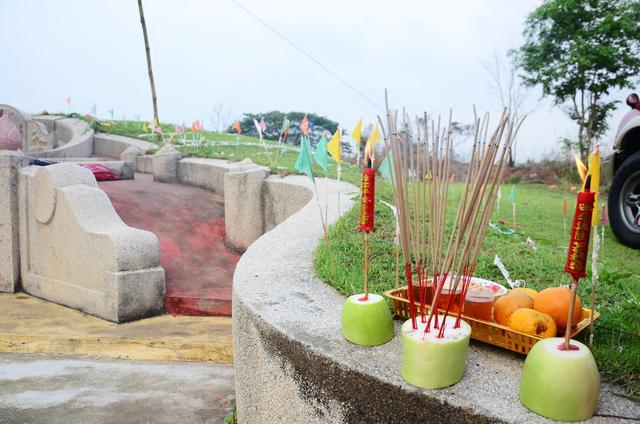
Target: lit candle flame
point(582, 168)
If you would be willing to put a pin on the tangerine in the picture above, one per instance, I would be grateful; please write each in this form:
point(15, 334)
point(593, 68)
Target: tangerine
point(554, 301)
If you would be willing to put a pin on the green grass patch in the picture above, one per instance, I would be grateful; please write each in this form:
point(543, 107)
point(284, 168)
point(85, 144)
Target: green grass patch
point(539, 216)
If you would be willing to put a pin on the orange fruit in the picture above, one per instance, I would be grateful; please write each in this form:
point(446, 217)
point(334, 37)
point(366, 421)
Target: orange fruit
point(529, 321)
point(508, 304)
point(529, 292)
point(554, 301)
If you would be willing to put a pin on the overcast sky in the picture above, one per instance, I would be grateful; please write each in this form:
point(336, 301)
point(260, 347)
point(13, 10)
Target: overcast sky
point(429, 55)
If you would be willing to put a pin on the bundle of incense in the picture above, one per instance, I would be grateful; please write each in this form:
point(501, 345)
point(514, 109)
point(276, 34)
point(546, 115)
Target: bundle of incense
point(421, 160)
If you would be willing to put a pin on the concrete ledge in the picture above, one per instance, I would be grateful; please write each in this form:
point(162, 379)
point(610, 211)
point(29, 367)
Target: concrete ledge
point(286, 334)
point(112, 146)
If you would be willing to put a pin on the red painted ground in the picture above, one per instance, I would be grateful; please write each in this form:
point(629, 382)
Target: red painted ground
point(190, 225)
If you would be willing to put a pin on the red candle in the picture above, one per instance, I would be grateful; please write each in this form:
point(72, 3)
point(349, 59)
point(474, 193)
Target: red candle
point(368, 200)
point(580, 231)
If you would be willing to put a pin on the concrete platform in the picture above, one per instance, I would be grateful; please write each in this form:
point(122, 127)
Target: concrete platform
point(31, 325)
point(38, 389)
point(189, 223)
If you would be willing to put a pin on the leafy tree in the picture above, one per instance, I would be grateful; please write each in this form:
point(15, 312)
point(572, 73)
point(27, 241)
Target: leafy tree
point(577, 51)
point(274, 119)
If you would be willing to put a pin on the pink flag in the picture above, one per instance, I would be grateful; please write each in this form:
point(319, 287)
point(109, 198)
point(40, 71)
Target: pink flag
point(263, 125)
point(68, 100)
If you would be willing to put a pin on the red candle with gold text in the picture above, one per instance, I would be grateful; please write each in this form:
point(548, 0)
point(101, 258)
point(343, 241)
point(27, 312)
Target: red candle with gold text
point(368, 200)
point(580, 231)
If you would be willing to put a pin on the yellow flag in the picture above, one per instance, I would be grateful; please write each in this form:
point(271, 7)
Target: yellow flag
point(594, 171)
point(145, 127)
point(374, 137)
point(356, 132)
point(334, 146)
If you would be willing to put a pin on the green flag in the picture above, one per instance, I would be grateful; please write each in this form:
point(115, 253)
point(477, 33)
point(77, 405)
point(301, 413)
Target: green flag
point(512, 195)
point(285, 124)
point(386, 170)
point(303, 164)
point(322, 156)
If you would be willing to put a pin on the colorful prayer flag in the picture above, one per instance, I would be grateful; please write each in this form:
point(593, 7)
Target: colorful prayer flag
point(322, 156)
point(303, 164)
point(357, 132)
point(285, 124)
point(594, 171)
point(258, 127)
point(386, 170)
point(334, 146)
point(512, 195)
point(237, 127)
point(263, 125)
point(304, 126)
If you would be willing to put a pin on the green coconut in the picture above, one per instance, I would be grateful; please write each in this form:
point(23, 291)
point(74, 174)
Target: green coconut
point(562, 385)
point(431, 362)
point(366, 322)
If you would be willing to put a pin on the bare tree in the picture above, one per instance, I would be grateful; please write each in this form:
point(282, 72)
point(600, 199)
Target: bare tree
point(156, 119)
point(505, 86)
point(221, 117)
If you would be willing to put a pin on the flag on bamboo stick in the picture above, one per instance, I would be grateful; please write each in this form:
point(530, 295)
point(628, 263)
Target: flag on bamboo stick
point(594, 171)
point(258, 127)
point(385, 169)
point(322, 156)
point(304, 126)
point(68, 101)
point(357, 131)
point(303, 164)
point(285, 124)
point(237, 127)
point(156, 124)
point(334, 146)
point(145, 127)
point(263, 125)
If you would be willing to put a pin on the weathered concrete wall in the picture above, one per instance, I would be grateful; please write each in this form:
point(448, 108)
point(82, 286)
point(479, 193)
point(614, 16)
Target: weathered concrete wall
point(112, 146)
point(244, 206)
point(76, 251)
point(287, 335)
point(74, 139)
point(205, 173)
point(144, 164)
point(283, 197)
point(10, 163)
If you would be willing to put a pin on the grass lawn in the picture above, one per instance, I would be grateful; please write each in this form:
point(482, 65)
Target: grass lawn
point(539, 216)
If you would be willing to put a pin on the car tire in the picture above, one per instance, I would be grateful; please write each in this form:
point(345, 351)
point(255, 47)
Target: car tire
point(624, 202)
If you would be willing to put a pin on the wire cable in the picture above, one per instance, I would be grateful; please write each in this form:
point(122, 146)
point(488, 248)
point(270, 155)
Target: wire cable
point(313, 59)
